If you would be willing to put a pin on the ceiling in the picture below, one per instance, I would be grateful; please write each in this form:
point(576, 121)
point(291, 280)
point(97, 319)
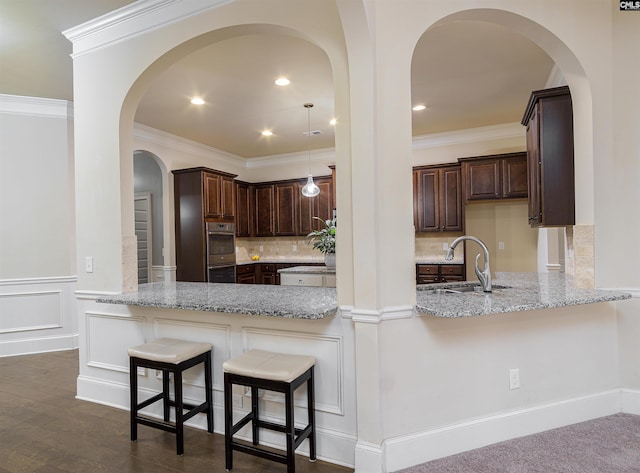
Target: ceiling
point(468, 74)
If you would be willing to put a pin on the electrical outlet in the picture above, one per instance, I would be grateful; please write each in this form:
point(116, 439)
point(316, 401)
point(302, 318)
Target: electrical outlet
point(514, 379)
point(294, 248)
point(501, 245)
point(445, 246)
point(261, 248)
point(88, 264)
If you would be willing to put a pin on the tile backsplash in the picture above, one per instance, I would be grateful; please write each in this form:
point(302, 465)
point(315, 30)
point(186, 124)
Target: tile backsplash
point(298, 248)
point(275, 248)
point(432, 246)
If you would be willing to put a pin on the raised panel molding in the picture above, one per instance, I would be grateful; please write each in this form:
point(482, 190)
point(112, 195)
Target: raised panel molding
point(37, 315)
point(219, 335)
point(328, 351)
point(102, 351)
point(31, 310)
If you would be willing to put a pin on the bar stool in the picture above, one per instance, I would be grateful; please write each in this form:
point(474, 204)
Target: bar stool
point(259, 369)
point(170, 356)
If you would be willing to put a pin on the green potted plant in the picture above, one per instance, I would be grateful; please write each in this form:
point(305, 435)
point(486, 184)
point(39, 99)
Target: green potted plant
point(325, 241)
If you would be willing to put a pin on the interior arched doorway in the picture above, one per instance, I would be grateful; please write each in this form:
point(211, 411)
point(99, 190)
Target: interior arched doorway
point(175, 159)
point(548, 251)
point(149, 219)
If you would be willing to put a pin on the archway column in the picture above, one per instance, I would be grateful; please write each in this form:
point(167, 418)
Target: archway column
point(382, 211)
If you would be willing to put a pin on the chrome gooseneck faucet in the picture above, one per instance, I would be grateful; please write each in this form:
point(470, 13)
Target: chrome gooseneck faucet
point(485, 275)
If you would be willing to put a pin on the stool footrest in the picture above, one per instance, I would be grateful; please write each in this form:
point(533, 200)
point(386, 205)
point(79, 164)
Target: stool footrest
point(158, 424)
point(241, 423)
point(151, 400)
point(193, 410)
point(301, 435)
point(265, 424)
point(259, 452)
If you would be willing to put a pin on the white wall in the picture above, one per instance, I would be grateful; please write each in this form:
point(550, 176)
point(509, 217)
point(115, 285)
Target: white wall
point(37, 228)
point(36, 189)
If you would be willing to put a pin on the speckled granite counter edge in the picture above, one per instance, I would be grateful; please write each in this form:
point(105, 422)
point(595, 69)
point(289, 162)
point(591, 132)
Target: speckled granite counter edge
point(523, 292)
point(243, 299)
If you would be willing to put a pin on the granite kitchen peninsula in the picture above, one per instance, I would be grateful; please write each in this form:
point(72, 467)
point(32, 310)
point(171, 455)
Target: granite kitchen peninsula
point(533, 317)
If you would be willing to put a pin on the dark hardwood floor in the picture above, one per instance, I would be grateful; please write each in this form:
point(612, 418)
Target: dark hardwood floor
point(43, 429)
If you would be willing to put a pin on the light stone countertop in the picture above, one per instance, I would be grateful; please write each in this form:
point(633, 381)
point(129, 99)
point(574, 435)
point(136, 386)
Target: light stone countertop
point(302, 260)
point(432, 260)
point(519, 292)
point(282, 259)
point(254, 299)
point(523, 292)
point(308, 270)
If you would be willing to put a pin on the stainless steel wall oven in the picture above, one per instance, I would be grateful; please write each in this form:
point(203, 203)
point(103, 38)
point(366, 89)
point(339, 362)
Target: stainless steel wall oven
point(221, 252)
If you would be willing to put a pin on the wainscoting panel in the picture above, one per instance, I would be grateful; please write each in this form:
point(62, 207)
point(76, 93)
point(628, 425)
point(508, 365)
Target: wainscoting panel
point(328, 351)
point(37, 315)
point(108, 339)
point(216, 334)
point(26, 311)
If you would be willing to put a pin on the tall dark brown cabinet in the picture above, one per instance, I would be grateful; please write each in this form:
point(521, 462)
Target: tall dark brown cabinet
point(549, 122)
point(201, 195)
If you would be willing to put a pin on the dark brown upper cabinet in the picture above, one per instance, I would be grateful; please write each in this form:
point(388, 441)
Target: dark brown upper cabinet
point(320, 206)
point(244, 205)
point(498, 176)
point(264, 210)
point(437, 199)
point(219, 195)
point(550, 162)
point(279, 209)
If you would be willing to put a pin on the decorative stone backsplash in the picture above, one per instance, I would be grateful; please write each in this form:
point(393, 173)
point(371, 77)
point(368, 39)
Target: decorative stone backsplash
point(281, 248)
point(277, 248)
point(431, 247)
point(580, 255)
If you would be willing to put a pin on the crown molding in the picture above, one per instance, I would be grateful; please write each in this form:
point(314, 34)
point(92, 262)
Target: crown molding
point(133, 20)
point(36, 106)
point(469, 135)
point(327, 155)
point(184, 145)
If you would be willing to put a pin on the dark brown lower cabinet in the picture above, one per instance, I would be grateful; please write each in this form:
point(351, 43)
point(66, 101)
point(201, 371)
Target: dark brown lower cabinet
point(435, 273)
point(264, 273)
point(246, 274)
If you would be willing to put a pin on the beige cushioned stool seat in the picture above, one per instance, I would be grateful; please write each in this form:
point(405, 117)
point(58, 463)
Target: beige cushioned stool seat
point(169, 350)
point(268, 365)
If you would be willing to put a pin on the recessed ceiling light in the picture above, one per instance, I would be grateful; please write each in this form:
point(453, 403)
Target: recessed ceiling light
point(418, 108)
point(333, 121)
point(282, 81)
point(197, 101)
point(267, 133)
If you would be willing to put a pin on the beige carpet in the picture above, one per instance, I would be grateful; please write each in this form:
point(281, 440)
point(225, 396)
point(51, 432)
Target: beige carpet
point(606, 445)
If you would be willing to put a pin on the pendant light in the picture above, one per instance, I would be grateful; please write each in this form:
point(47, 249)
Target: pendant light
point(310, 189)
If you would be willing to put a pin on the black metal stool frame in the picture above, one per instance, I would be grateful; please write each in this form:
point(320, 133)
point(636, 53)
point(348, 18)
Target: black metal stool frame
point(294, 436)
point(178, 403)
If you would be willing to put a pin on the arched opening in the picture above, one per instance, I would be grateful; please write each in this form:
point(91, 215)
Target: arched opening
point(149, 219)
point(494, 60)
point(230, 69)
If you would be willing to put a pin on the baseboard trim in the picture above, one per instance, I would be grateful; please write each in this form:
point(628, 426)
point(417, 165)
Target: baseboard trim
point(405, 451)
point(369, 458)
point(332, 446)
point(631, 401)
point(31, 346)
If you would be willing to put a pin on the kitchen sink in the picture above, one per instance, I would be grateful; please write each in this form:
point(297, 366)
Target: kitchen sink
point(457, 289)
